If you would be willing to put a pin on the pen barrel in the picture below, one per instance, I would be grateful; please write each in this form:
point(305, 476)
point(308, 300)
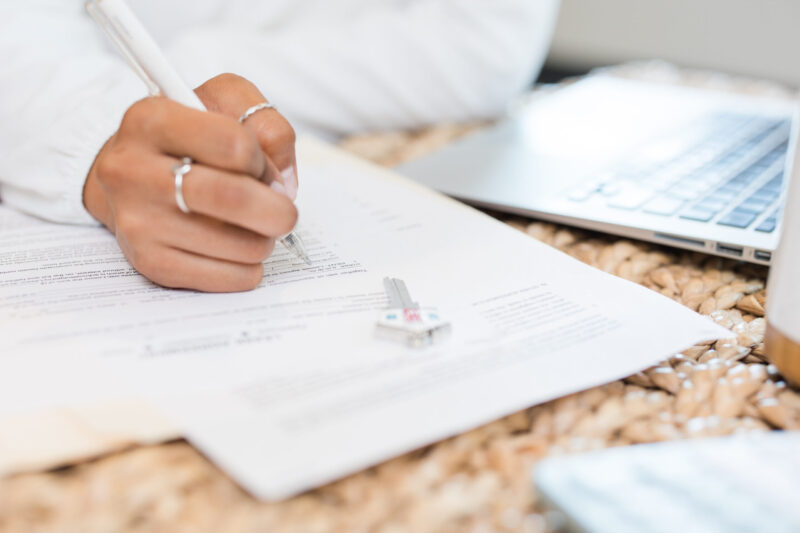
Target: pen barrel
point(782, 340)
point(141, 50)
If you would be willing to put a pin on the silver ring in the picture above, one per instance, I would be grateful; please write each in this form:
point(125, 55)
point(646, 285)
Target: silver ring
point(255, 109)
point(180, 170)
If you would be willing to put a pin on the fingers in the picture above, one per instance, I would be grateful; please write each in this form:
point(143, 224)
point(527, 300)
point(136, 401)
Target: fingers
point(209, 138)
point(277, 139)
point(194, 251)
point(211, 238)
point(179, 269)
point(227, 93)
point(229, 197)
point(232, 95)
point(238, 200)
point(234, 219)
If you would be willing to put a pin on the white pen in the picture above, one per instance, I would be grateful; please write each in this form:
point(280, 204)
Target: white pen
point(144, 55)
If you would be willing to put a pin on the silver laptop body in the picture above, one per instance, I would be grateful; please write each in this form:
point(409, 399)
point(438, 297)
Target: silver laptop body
point(692, 168)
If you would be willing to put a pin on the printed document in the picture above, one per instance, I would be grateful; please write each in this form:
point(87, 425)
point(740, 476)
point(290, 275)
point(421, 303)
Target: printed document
point(288, 386)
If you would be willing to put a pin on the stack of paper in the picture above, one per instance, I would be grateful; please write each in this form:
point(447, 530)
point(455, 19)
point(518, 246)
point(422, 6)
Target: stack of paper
point(288, 386)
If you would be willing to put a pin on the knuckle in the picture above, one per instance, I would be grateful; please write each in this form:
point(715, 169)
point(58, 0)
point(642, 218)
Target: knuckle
point(269, 247)
point(240, 149)
point(288, 221)
point(278, 135)
point(162, 268)
point(110, 168)
point(142, 115)
point(145, 264)
point(118, 165)
point(227, 78)
point(133, 115)
point(230, 195)
point(131, 225)
point(259, 250)
point(219, 89)
point(150, 264)
point(290, 136)
point(251, 276)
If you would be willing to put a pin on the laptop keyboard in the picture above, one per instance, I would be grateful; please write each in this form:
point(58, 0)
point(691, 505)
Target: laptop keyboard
point(725, 169)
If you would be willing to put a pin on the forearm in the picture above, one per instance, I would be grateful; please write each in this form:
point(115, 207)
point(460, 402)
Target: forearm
point(380, 65)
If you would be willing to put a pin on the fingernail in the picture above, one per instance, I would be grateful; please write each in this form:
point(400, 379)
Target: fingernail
point(290, 181)
point(278, 187)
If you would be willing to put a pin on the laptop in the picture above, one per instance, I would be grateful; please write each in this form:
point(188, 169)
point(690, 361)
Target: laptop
point(745, 483)
point(692, 168)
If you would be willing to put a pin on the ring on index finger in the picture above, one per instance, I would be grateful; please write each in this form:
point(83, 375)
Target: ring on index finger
point(180, 170)
point(255, 109)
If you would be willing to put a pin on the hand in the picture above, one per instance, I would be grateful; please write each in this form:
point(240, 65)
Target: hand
point(232, 95)
point(237, 189)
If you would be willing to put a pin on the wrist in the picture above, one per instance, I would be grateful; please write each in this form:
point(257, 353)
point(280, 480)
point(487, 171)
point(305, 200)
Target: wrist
point(94, 197)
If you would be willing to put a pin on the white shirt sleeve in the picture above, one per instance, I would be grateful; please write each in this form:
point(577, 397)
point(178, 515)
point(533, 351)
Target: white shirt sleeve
point(372, 65)
point(64, 94)
point(383, 65)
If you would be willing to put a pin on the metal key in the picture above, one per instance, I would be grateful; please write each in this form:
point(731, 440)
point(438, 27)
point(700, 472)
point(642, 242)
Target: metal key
point(405, 321)
point(398, 295)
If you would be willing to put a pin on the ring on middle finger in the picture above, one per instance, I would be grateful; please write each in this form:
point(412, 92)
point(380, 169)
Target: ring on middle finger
point(180, 170)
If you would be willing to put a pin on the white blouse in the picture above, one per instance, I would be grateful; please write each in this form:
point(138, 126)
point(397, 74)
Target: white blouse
point(333, 67)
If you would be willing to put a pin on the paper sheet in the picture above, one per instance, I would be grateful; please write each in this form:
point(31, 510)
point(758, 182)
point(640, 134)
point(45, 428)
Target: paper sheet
point(287, 387)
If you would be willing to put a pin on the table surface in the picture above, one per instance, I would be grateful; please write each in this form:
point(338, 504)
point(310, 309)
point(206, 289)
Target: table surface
point(478, 481)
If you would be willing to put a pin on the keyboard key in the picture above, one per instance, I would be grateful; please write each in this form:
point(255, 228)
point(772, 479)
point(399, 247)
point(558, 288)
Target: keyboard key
point(743, 179)
point(768, 225)
point(712, 203)
point(754, 205)
point(699, 214)
point(683, 193)
point(611, 188)
point(664, 205)
point(724, 193)
point(775, 184)
point(744, 207)
point(697, 186)
point(581, 193)
point(736, 191)
point(735, 187)
point(630, 196)
point(660, 181)
point(738, 218)
point(762, 195)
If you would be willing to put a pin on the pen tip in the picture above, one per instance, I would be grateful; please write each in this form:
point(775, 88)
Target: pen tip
point(294, 243)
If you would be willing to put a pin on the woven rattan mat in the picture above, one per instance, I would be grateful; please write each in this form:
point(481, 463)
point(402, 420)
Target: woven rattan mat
point(478, 481)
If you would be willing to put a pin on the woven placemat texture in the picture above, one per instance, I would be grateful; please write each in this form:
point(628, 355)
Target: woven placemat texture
point(478, 481)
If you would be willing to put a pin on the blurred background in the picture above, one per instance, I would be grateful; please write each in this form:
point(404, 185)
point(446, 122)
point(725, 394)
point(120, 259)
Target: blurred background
point(757, 38)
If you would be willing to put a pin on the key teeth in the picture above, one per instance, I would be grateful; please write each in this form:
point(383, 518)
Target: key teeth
point(398, 293)
point(390, 286)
